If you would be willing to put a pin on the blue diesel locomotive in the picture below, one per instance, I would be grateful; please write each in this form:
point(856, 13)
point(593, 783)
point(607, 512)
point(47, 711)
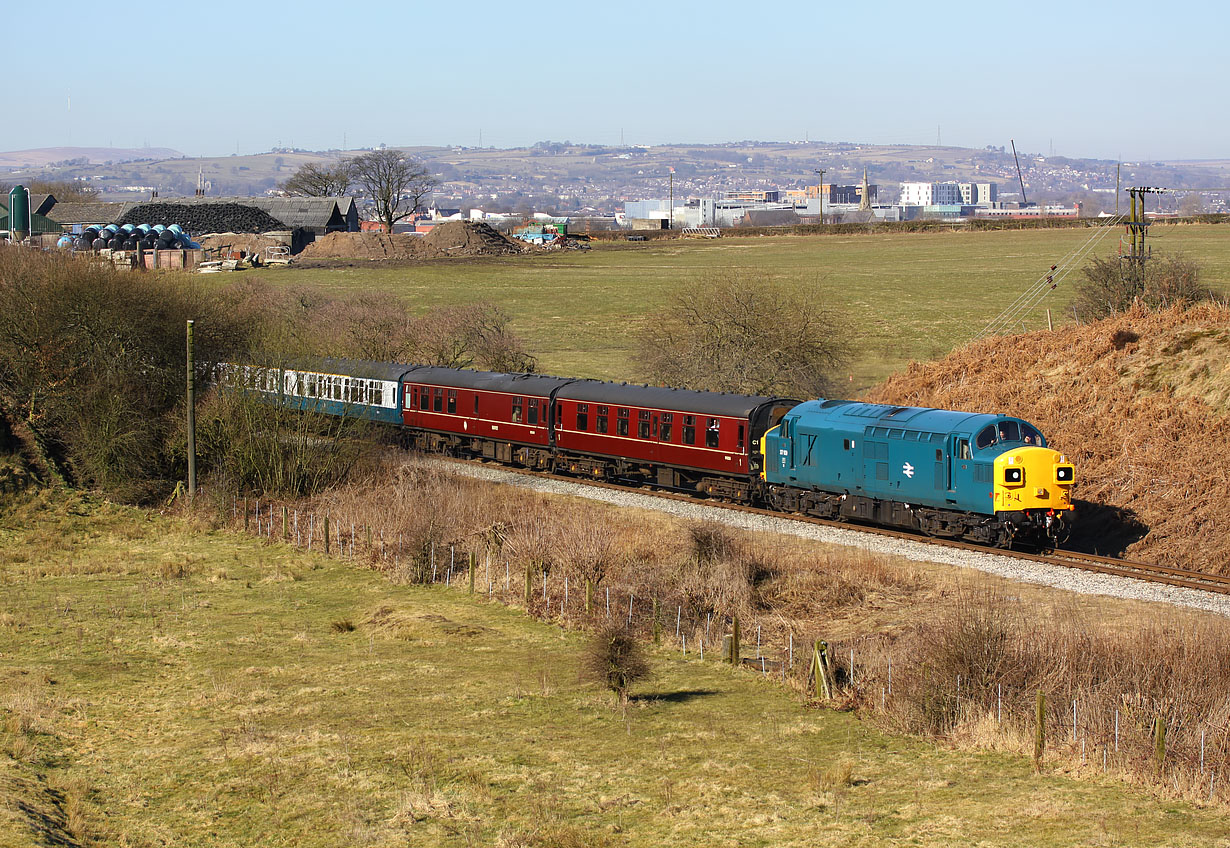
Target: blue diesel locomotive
point(986, 478)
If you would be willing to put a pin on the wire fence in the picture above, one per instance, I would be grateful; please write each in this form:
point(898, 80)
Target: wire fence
point(1139, 737)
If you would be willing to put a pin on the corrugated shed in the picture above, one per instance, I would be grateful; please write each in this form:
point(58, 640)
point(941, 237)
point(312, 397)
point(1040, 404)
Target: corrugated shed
point(95, 212)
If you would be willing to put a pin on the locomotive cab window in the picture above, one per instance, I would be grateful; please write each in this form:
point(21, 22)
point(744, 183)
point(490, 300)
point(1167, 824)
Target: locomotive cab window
point(582, 416)
point(711, 433)
point(963, 449)
point(1030, 436)
point(452, 402)
point(517, 405)
point(986, 437)
point(600, 424)
point(1009, 431)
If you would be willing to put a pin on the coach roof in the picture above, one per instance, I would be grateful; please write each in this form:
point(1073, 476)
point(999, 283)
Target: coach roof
point(659, 397)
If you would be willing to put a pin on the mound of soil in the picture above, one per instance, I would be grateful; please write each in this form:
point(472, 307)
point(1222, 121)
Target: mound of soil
point(367, 246)
point(1138, 402)
point(471, 238)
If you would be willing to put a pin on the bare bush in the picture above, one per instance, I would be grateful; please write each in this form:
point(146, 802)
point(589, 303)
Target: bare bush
point(733, 331)
point(93, 361)
point(1110, 286)
point(614, 659)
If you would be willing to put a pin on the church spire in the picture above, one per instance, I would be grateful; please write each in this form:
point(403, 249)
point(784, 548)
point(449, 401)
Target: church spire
point(864, 204)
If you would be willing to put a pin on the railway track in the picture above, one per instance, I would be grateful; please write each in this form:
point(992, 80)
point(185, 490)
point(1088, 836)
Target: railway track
point(1110, 566)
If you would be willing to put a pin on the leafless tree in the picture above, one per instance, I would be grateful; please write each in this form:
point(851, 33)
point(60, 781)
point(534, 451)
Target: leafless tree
point(313, 180)
point(394, 183)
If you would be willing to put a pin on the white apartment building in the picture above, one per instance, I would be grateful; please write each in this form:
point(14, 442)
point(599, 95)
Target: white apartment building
point(948, 194)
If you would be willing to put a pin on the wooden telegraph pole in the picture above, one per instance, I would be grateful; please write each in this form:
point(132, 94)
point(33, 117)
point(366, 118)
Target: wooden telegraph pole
point(191, 419)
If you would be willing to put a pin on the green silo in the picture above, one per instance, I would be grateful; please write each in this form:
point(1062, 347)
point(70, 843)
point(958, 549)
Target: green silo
point(19, 213)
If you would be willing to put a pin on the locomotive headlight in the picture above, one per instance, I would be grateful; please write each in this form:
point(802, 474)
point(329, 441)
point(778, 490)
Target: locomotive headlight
point(1014, 475)
point(1065, 475)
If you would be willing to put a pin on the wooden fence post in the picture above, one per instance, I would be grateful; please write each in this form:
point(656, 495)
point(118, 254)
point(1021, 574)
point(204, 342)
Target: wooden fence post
point(735, 650)
point(246, 516)
point(1159, 742)
point(285, 524)
point(1039, 730)
point(657, 624)
point(529, 577)
point(819, 669)
point(471, 573)
point(326, 534)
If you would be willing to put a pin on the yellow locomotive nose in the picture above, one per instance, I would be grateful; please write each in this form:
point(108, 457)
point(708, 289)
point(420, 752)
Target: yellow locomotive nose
point(1033, 478)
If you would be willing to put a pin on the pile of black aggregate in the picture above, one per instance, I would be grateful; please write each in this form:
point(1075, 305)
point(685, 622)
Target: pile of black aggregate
point(204, 217)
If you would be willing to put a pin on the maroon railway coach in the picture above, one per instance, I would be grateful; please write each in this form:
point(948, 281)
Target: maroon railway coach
point(700, 441)
point(505, 417)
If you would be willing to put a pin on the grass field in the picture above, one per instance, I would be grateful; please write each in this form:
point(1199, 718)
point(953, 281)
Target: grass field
point(903, 296)
point(165, 685)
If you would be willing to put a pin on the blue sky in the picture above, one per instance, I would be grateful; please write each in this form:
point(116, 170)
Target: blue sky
point(1129, 79)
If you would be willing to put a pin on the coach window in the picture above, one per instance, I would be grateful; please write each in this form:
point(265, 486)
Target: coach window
point(408, 396)
point(582, 416)
point(533, 419)
point(642, 425)
point(689, 429)
point(452, 401)
point(665, 433)
point(739, 441)
point(517, 406)
point(437, 400)
point(600, 422)
point(621, 422)
point(711, 433)
point(476, 404)
point(377, 394)
point(424, 398)
point(337, 387)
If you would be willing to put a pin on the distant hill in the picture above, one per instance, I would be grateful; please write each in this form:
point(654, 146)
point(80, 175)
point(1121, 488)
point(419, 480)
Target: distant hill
point(47, 156)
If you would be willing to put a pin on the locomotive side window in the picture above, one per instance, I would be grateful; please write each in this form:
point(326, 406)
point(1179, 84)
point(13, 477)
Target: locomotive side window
point(963, 449)
point(600, 421)
point(986, 437)
point(642, 424)
point(437, 400)
point(689, 429)
point(582, 416)
point(711, 433)
point(517, 404)
point(452, 401)
point(665, 432)
point(621, 422)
